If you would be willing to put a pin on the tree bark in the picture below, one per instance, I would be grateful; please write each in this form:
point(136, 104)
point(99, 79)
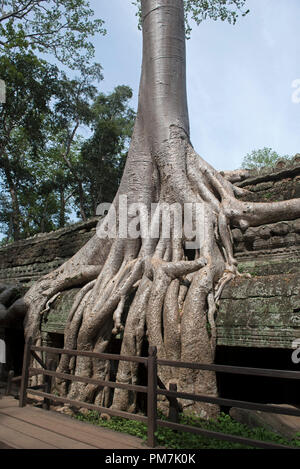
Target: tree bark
point(147, 288)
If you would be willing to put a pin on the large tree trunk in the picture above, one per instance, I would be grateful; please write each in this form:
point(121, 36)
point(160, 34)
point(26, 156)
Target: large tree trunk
point(148, 288)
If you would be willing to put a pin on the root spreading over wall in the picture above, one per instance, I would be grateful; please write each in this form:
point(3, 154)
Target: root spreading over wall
point(150, 289)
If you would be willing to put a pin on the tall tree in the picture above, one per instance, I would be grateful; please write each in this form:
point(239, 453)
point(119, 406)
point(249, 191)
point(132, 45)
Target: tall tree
point(103, 155)
point(30, 86)
point(149, 288)
point(46, 166)
point(262, 158)
point(59, 27)
point(36, 199)
point(73, 109)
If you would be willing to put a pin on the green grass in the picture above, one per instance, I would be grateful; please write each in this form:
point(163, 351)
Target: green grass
point(183, 440)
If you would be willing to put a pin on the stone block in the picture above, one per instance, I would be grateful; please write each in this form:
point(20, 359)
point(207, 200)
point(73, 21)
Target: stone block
point(280, 229)
point(285, 425)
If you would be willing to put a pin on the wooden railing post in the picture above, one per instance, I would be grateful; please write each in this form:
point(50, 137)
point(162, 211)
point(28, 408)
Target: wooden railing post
point(173, 405)
point(48, 384)
point(25, 373)
point(152, 396)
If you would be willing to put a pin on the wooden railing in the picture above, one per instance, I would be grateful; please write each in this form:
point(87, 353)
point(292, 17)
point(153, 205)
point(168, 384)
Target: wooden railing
point(153, 389)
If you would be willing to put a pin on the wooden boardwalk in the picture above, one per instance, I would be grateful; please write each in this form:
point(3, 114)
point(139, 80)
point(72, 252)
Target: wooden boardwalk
point(34, 428)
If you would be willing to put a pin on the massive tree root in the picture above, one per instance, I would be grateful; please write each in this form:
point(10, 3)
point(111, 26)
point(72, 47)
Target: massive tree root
point(173, 299)
point(152, 289)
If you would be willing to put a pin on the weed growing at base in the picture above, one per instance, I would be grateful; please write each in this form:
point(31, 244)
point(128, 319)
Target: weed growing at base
point(184, 440)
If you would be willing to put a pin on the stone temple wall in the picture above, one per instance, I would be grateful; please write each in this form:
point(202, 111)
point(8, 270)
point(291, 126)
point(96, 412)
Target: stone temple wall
point(264, 311)
point(26, 261)
point(261, 311)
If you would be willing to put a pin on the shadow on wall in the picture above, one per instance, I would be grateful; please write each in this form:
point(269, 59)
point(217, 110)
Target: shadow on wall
point(12, 313)
point(254, 388)
point(12, 306)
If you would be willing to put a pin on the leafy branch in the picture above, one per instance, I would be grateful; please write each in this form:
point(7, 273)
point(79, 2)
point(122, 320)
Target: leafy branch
point(59, 27)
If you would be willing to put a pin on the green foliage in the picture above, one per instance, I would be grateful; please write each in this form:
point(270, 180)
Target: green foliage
point(75, 96)
point(201, 10)
point(262, 158)
point(46, 167)
point(58, 27)
point(103, 155)
point(30, 83)
point(183, 440)
point(23, 119)
point(72, 111)
point(225, 10)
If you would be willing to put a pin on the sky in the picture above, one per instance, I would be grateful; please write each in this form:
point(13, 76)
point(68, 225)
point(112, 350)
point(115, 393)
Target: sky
point(239, 78)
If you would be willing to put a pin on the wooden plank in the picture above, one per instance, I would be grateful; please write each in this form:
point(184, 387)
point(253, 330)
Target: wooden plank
point(67, 426)
point(20, 440)
point(232, 402)
point(7, 402)
point(101, 356)
point(25, 373)
point(5, 446)
point(39, 360)
point(233, 369)
point(98, 437)
point(152, 397)
point(59, 441)
point(101, 438)
point(84, 379)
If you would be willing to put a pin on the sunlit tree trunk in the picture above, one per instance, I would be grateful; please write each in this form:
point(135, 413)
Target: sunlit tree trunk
point(150, 289)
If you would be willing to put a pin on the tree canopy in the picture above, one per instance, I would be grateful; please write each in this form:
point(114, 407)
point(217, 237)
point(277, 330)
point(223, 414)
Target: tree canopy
point(48, 170)
point(24, 117)
point(45, 171)
point(262, 158)
point(59, 27)
point(103, 155)
point(201, 10)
